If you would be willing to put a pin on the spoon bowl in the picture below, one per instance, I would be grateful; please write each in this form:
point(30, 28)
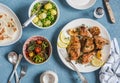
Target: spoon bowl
point(12, 57)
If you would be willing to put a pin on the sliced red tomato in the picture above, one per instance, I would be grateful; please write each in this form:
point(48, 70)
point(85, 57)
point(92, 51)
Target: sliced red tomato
point(37, 49)
point(39, 42)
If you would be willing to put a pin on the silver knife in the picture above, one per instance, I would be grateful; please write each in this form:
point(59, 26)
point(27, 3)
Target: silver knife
point(110, 12)
point(116, 46)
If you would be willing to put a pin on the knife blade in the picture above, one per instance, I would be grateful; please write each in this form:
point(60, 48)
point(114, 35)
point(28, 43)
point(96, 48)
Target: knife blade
point(110, 12)
point(116, 46)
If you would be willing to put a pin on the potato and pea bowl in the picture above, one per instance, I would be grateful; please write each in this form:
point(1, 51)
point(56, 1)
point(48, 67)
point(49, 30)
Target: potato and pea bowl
point(47, 13)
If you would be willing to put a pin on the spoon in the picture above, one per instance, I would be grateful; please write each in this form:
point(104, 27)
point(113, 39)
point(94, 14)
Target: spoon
point(31, 18)
point(12, 57)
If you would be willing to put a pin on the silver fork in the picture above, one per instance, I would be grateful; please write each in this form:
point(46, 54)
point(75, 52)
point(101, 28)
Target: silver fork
point(83, 79)
point(23, 72)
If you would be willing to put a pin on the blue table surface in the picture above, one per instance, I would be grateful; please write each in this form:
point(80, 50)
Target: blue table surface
point(67, 14)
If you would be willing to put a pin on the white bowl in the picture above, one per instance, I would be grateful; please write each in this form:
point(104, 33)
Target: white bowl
point(58, 13)
point(35, 38)
point(49, 77)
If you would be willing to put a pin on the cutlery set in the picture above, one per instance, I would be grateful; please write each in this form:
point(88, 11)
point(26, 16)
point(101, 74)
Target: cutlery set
point(15, 60)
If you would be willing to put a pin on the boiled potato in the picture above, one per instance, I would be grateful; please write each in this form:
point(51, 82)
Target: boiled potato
point(48, 22)
point(42, 15)
point(39, 23)
point(53, 12)
point(31, 54)
point(48, 6)
point(35, 20)
point(45, 11)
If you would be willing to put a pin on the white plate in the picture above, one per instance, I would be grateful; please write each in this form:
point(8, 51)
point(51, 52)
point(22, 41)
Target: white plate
point(7, 10)
point(81, 4)
point(89, 22)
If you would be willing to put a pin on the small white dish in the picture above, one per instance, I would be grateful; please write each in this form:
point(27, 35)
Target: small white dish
point(49, 77)
point(81, 4)
point(44, 1)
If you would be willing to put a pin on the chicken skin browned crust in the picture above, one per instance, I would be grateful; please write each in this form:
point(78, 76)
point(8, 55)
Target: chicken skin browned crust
point(86, 58)
point(95, 31)
point(100, 42)
point(88, 45)
point(85, 43)
point(74, 48)
point(85, 32)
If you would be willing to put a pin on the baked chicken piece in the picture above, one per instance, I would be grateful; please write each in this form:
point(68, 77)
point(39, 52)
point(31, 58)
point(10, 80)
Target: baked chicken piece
point(85, 32)
point(100, 42)
point(86, 58)
point(95, 31)
point(74, 48)
point(88, 45)
point(73, 32)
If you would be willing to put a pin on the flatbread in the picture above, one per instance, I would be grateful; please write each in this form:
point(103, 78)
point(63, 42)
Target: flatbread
point(8, 27)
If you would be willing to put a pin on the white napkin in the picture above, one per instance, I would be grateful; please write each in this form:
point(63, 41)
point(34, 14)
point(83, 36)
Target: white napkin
point(110, 72)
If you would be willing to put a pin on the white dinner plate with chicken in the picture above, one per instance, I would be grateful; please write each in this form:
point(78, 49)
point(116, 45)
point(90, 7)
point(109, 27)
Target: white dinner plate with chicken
point(10, 26)
point(86, 43)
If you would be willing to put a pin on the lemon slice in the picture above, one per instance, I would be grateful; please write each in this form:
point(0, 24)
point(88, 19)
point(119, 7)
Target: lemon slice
point(63, 38)
point(61, 44)
point(97, 62)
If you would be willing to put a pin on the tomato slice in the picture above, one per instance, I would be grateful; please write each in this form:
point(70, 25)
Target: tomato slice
point(37, 49)
point(39, 42)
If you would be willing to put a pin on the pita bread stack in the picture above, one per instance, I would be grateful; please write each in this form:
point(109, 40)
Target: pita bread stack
point(8, 28)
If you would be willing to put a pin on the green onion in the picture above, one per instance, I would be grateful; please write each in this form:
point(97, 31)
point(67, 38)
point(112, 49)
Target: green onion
point(31, 48)
point(44, 45)
point(38, 59)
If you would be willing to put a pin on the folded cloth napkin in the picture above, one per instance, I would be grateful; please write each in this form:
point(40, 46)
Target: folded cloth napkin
point(110, 72)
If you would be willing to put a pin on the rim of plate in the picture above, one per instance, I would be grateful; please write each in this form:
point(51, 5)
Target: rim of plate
point(83, 7)
point(18, 24)
point(92, 68)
